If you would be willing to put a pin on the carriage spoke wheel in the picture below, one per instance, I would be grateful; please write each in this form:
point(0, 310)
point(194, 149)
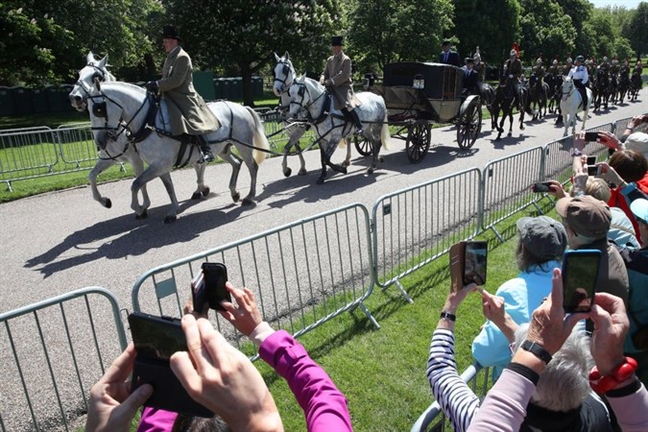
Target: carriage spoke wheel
point(469, 126)
point(363, 145)
point(418, 141)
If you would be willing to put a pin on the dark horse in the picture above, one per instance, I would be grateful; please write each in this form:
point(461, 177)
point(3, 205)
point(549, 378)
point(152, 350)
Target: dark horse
point(601, 89)
point(538, 91)
point(507, 99)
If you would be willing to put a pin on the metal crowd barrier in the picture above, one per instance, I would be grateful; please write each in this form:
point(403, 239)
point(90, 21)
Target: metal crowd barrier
point(429, 419)
point(414, 226)
point(302, 274)
point(54, 351)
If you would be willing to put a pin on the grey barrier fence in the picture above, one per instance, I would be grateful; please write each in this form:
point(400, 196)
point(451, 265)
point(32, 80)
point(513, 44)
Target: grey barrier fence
point(302, 274)
point(40, 151)
point(53, 351)
point(429, 419)
point(414, 226)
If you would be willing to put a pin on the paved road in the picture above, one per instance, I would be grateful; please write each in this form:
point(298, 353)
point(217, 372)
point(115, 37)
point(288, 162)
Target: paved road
point(60, 241)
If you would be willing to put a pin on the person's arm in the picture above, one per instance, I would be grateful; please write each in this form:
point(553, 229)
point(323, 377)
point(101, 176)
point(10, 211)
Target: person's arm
point(457, 401)
point(181, 67)
point(324, 406)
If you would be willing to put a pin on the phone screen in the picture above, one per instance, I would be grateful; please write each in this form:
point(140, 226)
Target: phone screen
point(475, 257)
point(579, 274)
point(215, 277)
point(591, 136)
point(541, 187)
point(156, 337)
point(592, 170)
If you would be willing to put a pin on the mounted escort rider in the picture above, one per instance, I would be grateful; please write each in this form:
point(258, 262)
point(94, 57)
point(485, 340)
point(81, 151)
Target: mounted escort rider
point(337, 80)
point(187, 114)
point(512, 74)
point(580, 76)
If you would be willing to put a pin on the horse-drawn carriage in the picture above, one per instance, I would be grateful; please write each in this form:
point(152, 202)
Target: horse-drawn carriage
point(417, 95)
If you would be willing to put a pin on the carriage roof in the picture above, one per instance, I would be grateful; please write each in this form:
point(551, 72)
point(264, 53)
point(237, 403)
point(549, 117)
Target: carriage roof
point(439, 95)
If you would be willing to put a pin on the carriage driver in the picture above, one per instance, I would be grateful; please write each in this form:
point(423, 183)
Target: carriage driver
point(189, 116)
point(337, 79)
point(579, 74)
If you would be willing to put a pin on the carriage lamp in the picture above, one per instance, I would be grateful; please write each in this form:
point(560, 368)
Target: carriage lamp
point(368, 81)
point(419, 82)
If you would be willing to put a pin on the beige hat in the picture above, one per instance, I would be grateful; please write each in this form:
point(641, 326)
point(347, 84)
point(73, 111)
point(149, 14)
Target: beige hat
point(638, 142)
point(586, 215)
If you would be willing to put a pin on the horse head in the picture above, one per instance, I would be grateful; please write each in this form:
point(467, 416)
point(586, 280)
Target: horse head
point(300, 97)
point(567, 87)
point(284, 73)
point(110, 105)
point(94, 69)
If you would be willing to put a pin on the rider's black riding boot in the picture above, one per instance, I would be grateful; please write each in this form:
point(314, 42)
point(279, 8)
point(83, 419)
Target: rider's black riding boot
point(208, 156)
point(356, 120)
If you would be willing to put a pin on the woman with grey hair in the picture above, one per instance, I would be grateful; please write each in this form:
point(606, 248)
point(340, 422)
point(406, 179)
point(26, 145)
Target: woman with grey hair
point(562, 401)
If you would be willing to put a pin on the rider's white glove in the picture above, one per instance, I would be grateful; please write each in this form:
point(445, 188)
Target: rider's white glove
point(511, 76)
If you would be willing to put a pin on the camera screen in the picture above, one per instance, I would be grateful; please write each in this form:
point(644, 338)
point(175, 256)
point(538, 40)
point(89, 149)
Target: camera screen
point(475, 262)
point(580, 272)
point(156, 337)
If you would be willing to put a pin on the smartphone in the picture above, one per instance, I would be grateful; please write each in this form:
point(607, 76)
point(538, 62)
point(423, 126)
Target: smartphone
point(541, 187)
point(156, 339)
point(593, 170)
point(475, 257)
point(591, 160)
point(579, 274)
point(591, 136)
point(209, 287)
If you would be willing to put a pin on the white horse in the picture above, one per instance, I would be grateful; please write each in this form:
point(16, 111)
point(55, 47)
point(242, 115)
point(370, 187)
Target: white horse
point(309, 96)
point(570, 104)
point(284, 74)
point(118, 107)
point(115, 151)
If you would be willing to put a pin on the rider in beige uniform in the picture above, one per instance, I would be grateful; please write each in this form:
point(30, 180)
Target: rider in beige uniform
point(337, 79)
point(188, 113)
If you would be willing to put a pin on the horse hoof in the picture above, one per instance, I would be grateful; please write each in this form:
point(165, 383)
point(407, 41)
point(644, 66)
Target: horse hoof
point(142, 215)
point(195, 196)
point(206, 191)
point(381, 159)
point(287, 172)
point(346, 163)
point(247, 202)
point(236, 197)
point(108, 203)
point(170, 219)
point(370, 170)
point(320, 180)
point(509, 134)
point(302, 172)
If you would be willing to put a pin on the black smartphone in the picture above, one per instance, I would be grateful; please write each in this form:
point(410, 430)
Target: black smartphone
point(213, 290)
point(156, 339)
point(475, 260)
point(593, 170)
point(591, 160)
point(591, 136)
point(541, 187)
point(579, 274)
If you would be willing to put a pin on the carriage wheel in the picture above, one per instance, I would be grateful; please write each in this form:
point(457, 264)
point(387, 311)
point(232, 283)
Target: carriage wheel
point(469, 126)
point(418, 141)
point(363, 145)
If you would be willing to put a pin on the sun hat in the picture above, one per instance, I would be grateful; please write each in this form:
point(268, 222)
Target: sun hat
point(586, 215)
point(542, 236)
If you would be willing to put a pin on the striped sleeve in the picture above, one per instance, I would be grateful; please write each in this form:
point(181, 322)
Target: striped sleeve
point(457, 400)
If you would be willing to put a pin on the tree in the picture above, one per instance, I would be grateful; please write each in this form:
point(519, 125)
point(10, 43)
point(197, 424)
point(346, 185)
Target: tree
point(244, 34)
point(385, 31)
point(580, 12)
point(491, 25)
point(638, 30)
point(546, 30)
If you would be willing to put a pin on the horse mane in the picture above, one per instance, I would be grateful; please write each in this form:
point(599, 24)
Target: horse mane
point(122, 83)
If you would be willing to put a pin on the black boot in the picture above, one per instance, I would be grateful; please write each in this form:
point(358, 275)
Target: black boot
point(356, 120)
point(207, 155)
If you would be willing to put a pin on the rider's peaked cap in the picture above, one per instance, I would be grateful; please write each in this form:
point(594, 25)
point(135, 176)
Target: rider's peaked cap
point(170, 32)
point(336, 41)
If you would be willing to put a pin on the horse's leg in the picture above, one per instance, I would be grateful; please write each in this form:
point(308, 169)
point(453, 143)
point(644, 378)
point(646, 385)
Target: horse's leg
point(323, 161)
point(138, 167)
point(347, 161)
point(201, 189)
point(151, 172)
point(284, 162)
point(235, 162)
point(99, 167)
point(168, 185)
point(253, 168)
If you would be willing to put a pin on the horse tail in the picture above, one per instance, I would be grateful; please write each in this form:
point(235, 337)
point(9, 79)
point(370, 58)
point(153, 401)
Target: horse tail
point(527, 104)
point(385, 136)
point(260, 141)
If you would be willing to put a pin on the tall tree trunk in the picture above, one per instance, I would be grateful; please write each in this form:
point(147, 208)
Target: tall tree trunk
point(246, 74)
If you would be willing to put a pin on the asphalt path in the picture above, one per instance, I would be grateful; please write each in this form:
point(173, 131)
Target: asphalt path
point(57, 242)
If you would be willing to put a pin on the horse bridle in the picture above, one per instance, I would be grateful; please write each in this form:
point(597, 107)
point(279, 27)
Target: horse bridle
point(99, 74)
point(302, 90)
point(99, 109)
point(284, 70)
point(571, 90)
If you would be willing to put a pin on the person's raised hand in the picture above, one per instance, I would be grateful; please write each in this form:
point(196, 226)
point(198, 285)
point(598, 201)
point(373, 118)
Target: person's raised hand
point(556, 189)
point(111, 407)
point(549, 327)
point(245, 316)
point(493, 308)
point(223, 379)
point(610, 174)
point(610, 329)
point(610, 140)
point(455, 298)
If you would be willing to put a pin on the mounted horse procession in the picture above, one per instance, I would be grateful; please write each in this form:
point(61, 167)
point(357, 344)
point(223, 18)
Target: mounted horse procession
point(166, 124)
